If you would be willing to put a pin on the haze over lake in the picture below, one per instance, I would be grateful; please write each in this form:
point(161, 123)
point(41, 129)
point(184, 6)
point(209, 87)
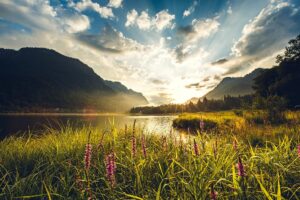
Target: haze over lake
point(37, 123)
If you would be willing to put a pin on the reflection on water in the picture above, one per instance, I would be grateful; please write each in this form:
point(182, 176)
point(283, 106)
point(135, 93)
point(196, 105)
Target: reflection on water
point(16, 124)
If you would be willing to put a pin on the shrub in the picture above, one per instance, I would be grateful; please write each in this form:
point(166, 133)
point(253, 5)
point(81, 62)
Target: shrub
point(194, 124)
point(238, 113)
point(275, 109)
point(258, 117)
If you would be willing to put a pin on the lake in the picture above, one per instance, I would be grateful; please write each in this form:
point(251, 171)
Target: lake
point(20, 123)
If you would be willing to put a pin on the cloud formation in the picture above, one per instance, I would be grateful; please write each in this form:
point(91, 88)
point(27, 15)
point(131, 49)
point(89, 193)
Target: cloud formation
point(190, 36)
point(190, 10)
point(103, 11)
point(269, 31)
point(195, 86)
point(219, 62)
point(263, 38)
point(162, 20)
point(115, 3)
point(110, 41)
point(75, 23)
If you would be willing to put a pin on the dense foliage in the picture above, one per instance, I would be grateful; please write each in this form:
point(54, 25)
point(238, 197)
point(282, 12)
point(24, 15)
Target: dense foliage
point(283, 80)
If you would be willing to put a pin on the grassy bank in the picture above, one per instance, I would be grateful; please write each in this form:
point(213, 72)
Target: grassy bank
point(125, 164)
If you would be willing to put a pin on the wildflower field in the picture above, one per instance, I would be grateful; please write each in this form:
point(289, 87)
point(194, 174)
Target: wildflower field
point(236, 160)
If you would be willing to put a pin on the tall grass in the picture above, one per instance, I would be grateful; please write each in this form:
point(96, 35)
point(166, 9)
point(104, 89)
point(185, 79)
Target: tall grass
point(53, 165)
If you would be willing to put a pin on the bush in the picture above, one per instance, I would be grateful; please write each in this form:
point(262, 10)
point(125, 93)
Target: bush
point(194, 124)
point(275, 109)
point(257, 117)
point(238, 113)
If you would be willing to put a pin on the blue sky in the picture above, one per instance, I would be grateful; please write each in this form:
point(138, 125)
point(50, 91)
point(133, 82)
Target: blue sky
point(168, 50)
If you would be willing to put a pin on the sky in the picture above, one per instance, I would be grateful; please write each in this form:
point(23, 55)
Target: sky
point(170, 51)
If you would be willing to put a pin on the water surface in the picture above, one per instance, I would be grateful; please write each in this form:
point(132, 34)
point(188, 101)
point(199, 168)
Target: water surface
point(21, 123)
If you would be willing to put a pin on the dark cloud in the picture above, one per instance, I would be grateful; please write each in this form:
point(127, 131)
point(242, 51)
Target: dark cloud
point(194, 85)
point(220, 61)
point(95, 41)
point(237, 68)
point(157, 81)
point(217, 78)
point(206, 79)
point(180, 53)
point(185, 30)
point(110, 40)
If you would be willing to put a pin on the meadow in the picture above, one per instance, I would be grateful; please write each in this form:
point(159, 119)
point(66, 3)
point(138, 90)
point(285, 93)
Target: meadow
point(229, 155)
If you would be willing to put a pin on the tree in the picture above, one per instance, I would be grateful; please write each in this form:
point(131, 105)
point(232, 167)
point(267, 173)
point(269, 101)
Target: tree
point(292, 51)
point(282, 80)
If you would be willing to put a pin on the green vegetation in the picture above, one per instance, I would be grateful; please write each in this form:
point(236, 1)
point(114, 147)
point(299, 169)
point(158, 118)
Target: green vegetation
point(284, 79)
point(237, 161)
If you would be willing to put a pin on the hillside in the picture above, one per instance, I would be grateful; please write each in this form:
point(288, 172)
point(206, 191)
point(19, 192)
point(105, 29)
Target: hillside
point(35, 79)
point(234, 86)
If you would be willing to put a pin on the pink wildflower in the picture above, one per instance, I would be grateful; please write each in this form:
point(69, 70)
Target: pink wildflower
point(299, 150)
point(241, 169)
point(201, 125)
point(196, 149)
point(213, 193)
point(133, 147)
point(87, 156)
point(111, 168)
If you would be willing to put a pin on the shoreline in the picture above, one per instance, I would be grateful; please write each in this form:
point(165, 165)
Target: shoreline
point(81, 114)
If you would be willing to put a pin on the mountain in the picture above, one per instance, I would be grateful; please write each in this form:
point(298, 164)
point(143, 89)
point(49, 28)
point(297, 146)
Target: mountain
point(234, 86)
point(43, 79)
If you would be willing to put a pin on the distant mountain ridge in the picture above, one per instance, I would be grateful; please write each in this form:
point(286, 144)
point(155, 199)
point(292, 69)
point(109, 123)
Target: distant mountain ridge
point(234, 86)
point(39, 78)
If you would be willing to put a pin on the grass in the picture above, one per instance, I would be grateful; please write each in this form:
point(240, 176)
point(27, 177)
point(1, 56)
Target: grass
point(52, 165)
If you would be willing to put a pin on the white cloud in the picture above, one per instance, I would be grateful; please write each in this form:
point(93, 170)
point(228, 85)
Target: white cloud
point(229, 10)
point(40, 15)
point(203, 28)
point(115, 3)
point(192, 34)
point(163, 20)
point(76, 23)
point(269, 31)
point(143, 21)
point(34, 14)
point(190, 10)
point(82, 5)
point(264, 37)
point(131, 18)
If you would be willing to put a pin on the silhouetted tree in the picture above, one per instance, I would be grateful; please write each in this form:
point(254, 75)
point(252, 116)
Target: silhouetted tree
point(282, 80)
